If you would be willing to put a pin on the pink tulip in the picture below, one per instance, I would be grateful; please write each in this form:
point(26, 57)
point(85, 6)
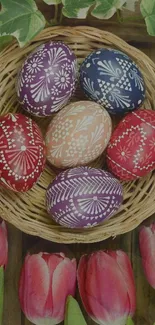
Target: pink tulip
point(3, 244)
point(45, 283)
point(106, 286)
point(147, 249)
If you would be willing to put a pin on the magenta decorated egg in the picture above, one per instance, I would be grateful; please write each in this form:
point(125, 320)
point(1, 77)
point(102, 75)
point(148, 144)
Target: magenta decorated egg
point(47, 79)
point(22, 152)
point(83, 197)
point(78, 134)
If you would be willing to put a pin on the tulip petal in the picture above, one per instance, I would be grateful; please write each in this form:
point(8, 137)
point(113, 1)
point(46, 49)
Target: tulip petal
point(3, 244)
point(102, 290)
point(81, 277)
point(147, 249)
point(63, 285)
point(127, 274)
point(112, 294)
point(34, 287)
point(52, 261)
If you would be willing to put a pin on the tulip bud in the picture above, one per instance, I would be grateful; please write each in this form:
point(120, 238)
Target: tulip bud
point(147, 249)
point(3, 262)
point(45, 283)
point(106, 286)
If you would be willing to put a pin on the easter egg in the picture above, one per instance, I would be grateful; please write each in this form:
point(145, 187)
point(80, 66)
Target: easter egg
point(131, 150)
point(47, 79)
point(22, 152)
point(83, 197)
point(112, 79)
point(78, 134)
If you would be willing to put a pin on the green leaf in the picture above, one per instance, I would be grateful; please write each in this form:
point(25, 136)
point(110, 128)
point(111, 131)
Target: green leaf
point(148, 11)
point(76, 8)
point(73, 314)
point(4, 41)
point(130, 321)
point(21, 19)
point(105, 9)
point(1, 293)
point(52, 2)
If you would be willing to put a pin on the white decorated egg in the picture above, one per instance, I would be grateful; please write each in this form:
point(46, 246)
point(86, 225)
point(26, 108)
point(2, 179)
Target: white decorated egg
point(78, 134)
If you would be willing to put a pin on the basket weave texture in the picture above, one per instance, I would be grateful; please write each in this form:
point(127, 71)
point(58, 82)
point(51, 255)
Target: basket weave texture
point(27, 211)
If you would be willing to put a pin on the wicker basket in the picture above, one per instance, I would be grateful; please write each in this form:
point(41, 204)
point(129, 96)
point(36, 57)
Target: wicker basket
point(27, 211)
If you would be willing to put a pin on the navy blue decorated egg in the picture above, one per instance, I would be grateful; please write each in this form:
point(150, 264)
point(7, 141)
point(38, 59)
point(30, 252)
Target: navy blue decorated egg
point(112, 79)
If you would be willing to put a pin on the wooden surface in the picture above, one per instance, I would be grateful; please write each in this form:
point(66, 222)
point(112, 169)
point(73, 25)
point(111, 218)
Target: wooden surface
point(20, 244)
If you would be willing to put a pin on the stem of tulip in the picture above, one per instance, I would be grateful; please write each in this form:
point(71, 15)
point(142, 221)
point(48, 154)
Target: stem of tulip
point(1, 293)
point(129, 321)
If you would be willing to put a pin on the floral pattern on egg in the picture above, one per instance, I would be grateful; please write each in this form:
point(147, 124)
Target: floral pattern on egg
point(78, 134)
point(47, 79)
point(112, 79)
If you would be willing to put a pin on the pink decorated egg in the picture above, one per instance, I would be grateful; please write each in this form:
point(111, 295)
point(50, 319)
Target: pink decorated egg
point(78, 134)
point(22, 152)
point(131, 150)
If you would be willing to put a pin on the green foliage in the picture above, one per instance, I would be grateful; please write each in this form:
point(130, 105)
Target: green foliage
point(73, 314)
point(148, 11)
point(4, 41)
point(130, 321)
point(21, 19)
point(52, 2)
point(76, 8)
point(105, 9)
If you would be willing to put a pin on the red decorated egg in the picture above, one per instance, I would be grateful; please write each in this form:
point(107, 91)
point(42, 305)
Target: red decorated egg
point(22, 152)
point(131, 150)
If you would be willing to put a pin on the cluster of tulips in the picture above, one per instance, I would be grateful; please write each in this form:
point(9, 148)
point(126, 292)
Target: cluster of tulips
point(105, 281)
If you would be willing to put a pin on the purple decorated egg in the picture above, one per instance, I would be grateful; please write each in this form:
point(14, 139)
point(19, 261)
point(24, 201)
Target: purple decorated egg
point(47, 79)
point(83, 197)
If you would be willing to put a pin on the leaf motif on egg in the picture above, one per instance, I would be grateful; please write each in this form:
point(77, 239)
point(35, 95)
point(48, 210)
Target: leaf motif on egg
point(47, 77)
point(113, 80)
point(83, 197)
point(78, 134)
